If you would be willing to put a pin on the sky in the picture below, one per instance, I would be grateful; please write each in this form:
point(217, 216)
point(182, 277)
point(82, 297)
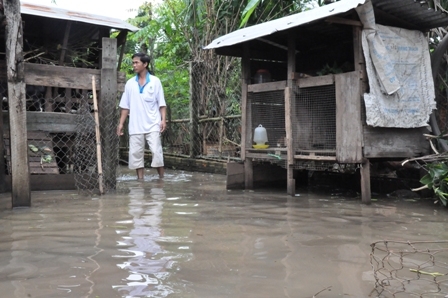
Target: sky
point(118, 9)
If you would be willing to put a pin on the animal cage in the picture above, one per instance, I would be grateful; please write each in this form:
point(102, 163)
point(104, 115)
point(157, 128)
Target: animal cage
point(312, 103)
point(315, 121)
point(268, 110)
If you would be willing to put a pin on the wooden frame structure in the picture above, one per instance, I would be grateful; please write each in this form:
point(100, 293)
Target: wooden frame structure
point(52, 67)
point(290, 54)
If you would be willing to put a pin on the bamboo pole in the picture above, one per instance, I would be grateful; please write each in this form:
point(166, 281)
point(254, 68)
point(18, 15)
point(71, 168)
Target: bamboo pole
point(98, 138)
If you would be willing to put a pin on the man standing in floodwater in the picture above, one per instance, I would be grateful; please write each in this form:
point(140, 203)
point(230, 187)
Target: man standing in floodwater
point(144, 102)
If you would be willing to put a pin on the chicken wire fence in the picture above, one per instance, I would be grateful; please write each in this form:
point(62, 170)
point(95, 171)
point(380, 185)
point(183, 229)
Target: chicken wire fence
point(69, 146)
point(211, 127)
point(410, 269)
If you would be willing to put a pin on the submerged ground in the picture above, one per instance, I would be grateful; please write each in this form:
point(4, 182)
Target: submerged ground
point(187, 236)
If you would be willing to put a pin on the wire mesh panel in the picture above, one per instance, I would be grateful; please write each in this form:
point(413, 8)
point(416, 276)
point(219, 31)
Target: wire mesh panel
point(315, 125)
point(176, 139)
point(410, 269)
point(65, 140)
point(209, 127)
point(268, 110)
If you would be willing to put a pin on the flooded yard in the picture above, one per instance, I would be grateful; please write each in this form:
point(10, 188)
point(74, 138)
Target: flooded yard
point(187, 236)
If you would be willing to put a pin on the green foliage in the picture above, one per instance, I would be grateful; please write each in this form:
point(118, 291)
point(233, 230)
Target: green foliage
point(437, 180)
point(258, 11)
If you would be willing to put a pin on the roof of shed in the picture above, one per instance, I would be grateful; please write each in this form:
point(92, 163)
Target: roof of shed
point(409, 14)
point(63, 14)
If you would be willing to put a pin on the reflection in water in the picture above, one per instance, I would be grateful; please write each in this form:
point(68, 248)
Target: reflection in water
point(148, 263)
point(191, 238)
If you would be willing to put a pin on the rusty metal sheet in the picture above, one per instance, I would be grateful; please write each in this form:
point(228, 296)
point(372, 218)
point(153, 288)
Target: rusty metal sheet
point(63, 14)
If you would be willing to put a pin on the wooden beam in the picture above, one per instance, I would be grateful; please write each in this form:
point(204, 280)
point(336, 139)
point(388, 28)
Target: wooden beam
point(246, 119)
point(108, 113)
point(65, 43)
point(290, 112)
point(21, 191)
point(47, 121)
point(246, 128)
point(315, 81)
point(2, 159)
point(336, 20)
point(195, 99)
point(315, 157)
point(348, 118)
point(264, 87)
point(121, 42)
point(66, 77)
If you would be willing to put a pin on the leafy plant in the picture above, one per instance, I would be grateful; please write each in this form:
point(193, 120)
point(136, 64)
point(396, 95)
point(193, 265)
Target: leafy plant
point(437, 180)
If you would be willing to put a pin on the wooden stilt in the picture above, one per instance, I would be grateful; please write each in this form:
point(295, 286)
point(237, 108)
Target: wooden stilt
point(248, 174)
point(365, 182)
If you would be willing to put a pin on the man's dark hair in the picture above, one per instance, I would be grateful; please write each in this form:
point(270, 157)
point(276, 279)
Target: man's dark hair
point(143, 57)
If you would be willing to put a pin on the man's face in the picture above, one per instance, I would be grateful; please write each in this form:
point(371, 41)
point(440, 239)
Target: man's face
point(138, 65)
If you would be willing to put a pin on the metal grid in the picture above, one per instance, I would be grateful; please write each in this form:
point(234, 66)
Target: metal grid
point(315, 124)
point(410, 269)
point(268, 109)
point(73, 151)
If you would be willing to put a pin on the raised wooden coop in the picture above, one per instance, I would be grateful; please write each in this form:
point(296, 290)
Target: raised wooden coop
point(313, 104)
point(64, 52)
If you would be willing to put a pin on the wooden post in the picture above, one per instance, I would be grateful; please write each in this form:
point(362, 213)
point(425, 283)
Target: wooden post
point(290, 113)
point(365, 182)
point(194, 110)
point(221, 135)
point(108, 112)
point(65, 43)
point(21, 190)
point(2, 159)
point(121, 42)
point(97, 137)
point(246, 119)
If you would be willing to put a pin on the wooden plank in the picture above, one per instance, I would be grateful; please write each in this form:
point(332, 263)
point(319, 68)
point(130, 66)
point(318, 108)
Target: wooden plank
point(47, 122)
point(21, 192)
point(381, 142)
point(38, 139)
point(348, 118)
point(315, 81)
point(315, 157)
point(264, 87)
point(108, 112)
point(66, 77)
point(263, 156)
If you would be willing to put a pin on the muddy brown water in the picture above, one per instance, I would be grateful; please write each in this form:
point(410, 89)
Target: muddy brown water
point(187, 236)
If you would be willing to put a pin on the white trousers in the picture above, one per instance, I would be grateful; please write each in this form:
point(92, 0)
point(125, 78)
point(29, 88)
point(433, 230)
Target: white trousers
point(137, 146)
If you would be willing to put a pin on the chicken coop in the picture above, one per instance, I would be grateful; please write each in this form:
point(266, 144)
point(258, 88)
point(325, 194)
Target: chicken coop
point(332, 88)
point(69, 59)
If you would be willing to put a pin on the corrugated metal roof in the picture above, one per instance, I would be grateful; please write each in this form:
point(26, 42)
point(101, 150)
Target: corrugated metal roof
point(284, 23)
point(417, 13)
point(63, 14)
point(409, 14)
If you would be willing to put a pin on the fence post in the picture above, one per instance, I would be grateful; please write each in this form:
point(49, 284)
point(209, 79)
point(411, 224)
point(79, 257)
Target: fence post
point(194, 109)
point(108, 112)
point(21, 189)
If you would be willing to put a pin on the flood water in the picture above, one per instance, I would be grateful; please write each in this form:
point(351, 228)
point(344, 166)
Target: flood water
point(187, 236)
